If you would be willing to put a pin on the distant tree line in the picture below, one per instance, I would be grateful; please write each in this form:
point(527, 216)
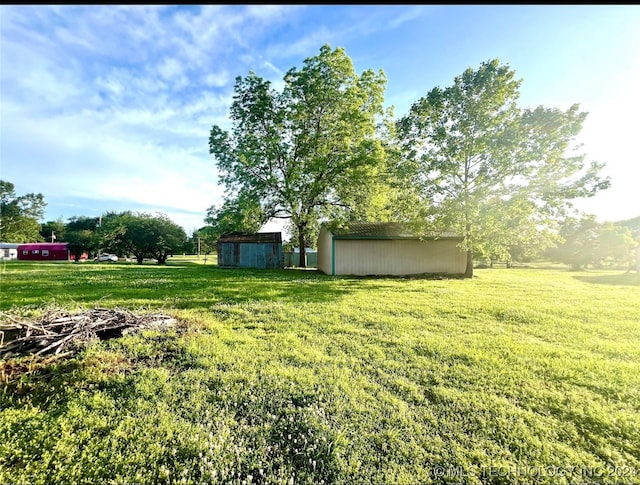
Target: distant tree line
point(136, 234)
point(586, 242)
point(20, 215)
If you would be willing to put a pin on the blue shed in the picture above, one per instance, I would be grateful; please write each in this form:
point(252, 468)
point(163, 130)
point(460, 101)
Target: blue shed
point(261, 250)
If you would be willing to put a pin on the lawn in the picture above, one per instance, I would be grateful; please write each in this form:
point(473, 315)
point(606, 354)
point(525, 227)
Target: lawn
point(521, 375)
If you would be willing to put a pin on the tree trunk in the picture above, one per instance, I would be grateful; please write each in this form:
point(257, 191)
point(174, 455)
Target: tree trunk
point(303, 252)
point(468, 273)
point(469, 270)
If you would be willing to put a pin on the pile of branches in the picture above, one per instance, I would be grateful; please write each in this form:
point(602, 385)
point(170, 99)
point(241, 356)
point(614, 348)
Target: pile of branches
point(57, 331)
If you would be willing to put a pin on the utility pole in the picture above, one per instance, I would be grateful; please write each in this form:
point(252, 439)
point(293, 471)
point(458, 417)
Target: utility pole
point(98, 226)
point(53, 236)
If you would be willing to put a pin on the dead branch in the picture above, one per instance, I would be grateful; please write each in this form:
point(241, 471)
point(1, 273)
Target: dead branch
point(59, 331)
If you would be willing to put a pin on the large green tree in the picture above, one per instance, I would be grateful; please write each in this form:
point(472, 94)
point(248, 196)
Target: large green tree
point(588, 242)
point(81, 240)
point(81, 232)
point(202, 241)
point(20, 215)
point(240, 214)
point(616, 244)
point(310, 151)
point(143, 235)
point(474, 154)
point(53, 231)
point(82, 223)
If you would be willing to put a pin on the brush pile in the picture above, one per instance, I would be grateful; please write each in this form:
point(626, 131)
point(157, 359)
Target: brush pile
point(57, 331)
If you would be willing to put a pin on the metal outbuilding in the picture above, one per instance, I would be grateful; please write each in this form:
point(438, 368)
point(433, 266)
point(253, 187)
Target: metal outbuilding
point(261, 250)
point(44, 252)
point(387, 248)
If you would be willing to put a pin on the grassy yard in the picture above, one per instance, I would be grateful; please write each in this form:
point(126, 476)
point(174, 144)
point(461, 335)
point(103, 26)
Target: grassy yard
point(522, 375)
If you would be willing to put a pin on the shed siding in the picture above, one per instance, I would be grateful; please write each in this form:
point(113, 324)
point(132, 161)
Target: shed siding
point(43, 252)
point(396, 257)
point(227, 254)
point(324, 251)
point(250, 255)
point(258, 255)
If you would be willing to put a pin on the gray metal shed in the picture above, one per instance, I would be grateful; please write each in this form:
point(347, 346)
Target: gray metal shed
point(261, 250)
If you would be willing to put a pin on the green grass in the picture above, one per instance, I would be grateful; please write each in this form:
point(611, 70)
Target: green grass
point(516, 376)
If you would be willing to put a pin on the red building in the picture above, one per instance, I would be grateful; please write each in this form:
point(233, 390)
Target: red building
point(44, 252)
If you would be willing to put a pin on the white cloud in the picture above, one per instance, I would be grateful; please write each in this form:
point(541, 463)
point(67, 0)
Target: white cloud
point(111, 84)
point(273, 68)
point(170, 69)
point(306, 46)
point(406, 16)
point(217, 79)
point(270, 14)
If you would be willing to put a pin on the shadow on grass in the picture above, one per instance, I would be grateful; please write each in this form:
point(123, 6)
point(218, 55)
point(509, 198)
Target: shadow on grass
point(623, 279)
point(53, 380)
point(536, 266)
point(35, 381)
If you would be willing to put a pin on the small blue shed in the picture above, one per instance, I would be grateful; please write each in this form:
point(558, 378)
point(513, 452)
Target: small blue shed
point(261, 250)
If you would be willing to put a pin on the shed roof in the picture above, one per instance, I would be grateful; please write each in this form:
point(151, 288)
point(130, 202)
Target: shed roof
point(384, 230)
point(4, 245)
point(258, 237)
point(43, 245)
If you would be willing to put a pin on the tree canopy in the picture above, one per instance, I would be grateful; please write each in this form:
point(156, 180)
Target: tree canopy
point(308, 151)
point(496, 173)
point(585, 242)
point(81, 234)
point(20, 215)
point(241, 214)
point(53, 231)
point(141, 234)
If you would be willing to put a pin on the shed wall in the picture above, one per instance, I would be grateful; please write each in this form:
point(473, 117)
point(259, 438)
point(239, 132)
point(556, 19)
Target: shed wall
point(43, 252)
point(8, 253)
point(397, 257)
point(227, 254)
point(250, 255)
point(324, 251)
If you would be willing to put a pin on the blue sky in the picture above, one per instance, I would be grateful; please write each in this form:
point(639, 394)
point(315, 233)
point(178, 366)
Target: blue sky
point(110, 107)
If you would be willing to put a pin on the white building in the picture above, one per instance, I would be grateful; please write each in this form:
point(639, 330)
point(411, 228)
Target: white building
point(8, 251)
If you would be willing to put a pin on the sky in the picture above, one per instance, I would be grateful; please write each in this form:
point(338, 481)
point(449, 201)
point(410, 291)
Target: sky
point(109, 108)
